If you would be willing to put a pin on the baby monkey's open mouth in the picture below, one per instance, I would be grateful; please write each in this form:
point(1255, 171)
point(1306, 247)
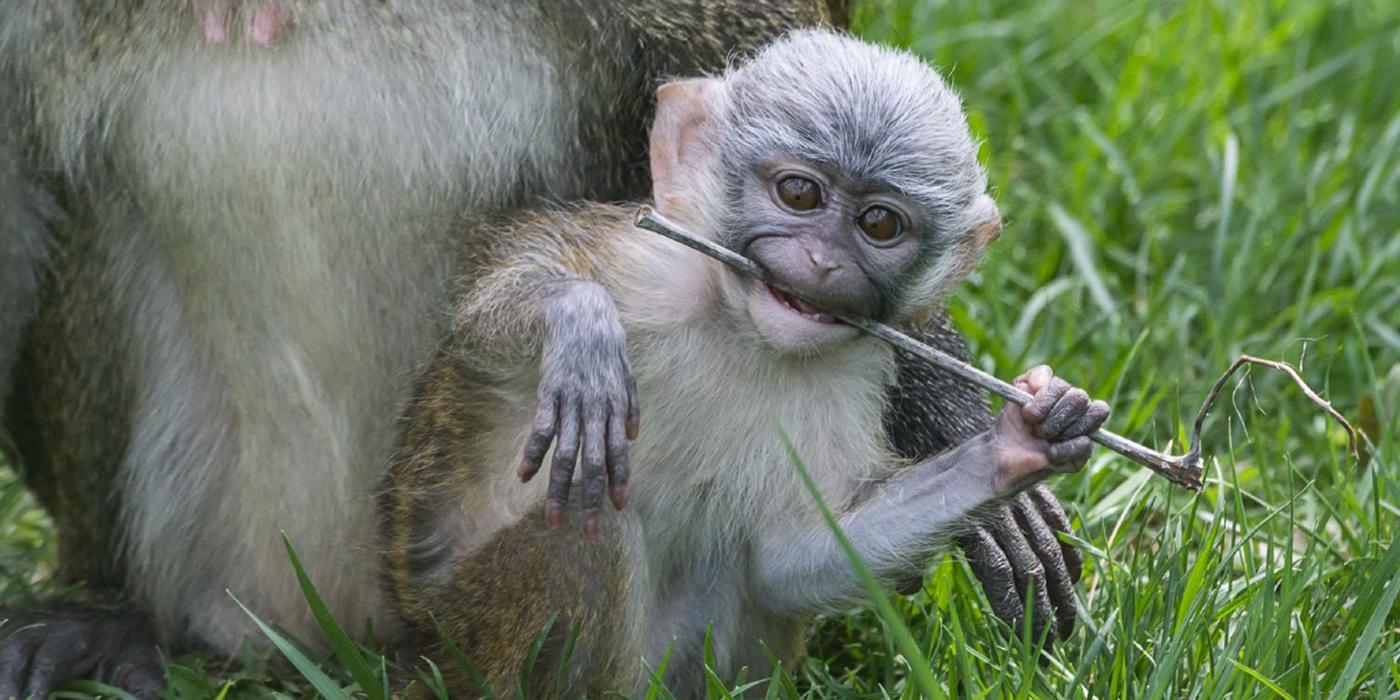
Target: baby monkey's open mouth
point(802, 308)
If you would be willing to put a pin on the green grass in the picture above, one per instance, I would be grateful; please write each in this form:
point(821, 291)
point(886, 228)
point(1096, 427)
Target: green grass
point(1182, 182)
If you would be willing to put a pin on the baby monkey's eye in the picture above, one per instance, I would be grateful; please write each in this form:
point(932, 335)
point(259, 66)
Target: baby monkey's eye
point(879, 224)
point(799, 193)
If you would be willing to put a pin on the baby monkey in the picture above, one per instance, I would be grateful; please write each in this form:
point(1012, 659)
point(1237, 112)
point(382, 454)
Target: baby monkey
point(848, 172)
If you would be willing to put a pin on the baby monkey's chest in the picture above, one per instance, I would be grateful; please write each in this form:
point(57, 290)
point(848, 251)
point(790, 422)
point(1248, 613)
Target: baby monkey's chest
point(709, 601)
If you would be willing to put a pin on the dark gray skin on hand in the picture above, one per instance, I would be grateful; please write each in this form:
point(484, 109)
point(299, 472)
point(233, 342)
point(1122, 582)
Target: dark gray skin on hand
point(588, 403)
point(1051, 432)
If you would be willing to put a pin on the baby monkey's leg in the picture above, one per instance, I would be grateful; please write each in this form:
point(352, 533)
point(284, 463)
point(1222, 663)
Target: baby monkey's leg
point(496, 603)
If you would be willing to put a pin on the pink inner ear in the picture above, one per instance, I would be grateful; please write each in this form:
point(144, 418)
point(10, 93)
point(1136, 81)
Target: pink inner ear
point(683, 110)
point(989, 231)
point(990, 228)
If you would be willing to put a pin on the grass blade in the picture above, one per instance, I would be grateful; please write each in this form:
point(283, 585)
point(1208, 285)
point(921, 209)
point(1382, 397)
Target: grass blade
point(1384, 585)
point(919, 670)
point(462, 661)
point(306, 667)
point(344, 647)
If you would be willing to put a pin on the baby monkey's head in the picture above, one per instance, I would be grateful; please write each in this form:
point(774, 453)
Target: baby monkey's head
point(846, 169)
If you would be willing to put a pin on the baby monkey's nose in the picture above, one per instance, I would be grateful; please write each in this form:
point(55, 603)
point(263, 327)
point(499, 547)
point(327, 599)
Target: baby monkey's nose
point(824, 263)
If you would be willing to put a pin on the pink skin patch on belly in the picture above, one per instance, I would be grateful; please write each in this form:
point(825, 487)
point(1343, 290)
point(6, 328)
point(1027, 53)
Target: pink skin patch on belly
point(270, 19)
point(213, 24)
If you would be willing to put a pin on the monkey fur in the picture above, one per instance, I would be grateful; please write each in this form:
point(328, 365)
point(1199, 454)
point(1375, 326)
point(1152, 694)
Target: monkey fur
point(227, 230)
point(718, 537)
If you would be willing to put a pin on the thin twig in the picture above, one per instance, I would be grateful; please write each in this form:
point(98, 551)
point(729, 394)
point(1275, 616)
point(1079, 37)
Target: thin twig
point(1282, 367)
point(1184, 471)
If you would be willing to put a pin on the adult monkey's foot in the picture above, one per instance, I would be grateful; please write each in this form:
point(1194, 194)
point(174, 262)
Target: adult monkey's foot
point(43, 648)
point(1013, 548)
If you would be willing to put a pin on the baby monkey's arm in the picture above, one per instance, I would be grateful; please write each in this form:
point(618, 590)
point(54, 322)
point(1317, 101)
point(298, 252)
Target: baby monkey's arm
point(541, 295)
point(902, 523)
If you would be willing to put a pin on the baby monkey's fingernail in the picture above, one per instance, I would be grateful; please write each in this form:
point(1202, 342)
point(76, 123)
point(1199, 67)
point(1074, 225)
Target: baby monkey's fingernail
point(553, 516)
point(619, 495)
point(525, 470)
point(634, 427)
point(590, 525)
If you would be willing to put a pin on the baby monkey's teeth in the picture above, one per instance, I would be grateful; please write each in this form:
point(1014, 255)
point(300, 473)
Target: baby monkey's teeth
point(801, 307)
point(811, 312)
point(804, 307)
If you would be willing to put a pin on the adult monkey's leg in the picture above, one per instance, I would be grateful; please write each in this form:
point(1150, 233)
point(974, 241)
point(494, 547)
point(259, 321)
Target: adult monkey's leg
point(69, 378)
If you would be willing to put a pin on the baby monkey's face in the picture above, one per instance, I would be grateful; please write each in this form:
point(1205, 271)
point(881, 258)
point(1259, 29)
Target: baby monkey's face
point(840, 242)
point(845, 169)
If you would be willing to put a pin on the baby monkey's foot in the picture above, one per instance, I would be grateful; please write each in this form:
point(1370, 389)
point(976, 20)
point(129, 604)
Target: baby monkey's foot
point(1050, 434)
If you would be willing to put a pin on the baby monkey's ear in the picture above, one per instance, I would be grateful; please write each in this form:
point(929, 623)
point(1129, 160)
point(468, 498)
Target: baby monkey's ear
point(987, 221)
point(685, 110)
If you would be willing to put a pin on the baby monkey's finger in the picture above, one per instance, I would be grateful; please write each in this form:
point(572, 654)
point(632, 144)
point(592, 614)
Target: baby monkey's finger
point(595, 467)
point(1035, 378)
point(1066, 411)
point(618, 490)
point(541, 434)
point(634, 409)
point(1040, 405)
point(1070, 455)
point(561, 470)
point(1095, 415)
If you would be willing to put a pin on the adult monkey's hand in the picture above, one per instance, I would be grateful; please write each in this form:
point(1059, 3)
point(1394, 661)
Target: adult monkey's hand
point(1014, 546)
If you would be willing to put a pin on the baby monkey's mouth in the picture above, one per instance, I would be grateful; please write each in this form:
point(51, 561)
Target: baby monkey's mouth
point(800, 307)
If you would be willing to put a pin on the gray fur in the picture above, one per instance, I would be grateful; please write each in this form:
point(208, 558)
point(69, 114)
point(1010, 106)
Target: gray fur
point(25, 214)
point(880, 114)
point(26, 211)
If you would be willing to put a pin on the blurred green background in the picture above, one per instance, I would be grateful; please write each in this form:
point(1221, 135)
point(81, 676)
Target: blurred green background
point(1182, 182)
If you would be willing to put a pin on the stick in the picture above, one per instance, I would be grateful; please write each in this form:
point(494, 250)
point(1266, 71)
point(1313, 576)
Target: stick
point(1286, 369)
point(1183, 471)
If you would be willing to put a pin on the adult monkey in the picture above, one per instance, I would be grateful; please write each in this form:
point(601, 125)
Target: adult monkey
point(241, 214)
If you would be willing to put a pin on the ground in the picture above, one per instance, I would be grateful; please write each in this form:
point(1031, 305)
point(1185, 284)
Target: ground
point(1183, 182)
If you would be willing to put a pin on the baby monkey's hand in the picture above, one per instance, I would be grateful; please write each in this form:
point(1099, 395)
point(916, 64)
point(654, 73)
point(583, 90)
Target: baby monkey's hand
point(1050, 434)
point(588, 402)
